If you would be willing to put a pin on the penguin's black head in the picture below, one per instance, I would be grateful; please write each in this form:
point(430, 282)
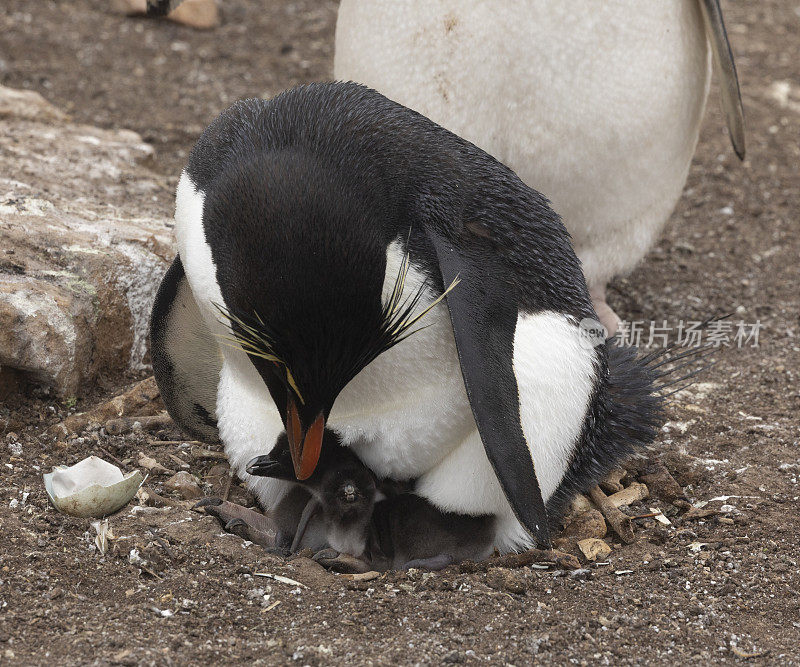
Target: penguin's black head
point(347, 493)
point(302, 270)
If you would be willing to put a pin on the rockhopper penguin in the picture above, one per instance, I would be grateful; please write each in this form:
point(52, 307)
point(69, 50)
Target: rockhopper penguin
point(344, 262)
point(596, 104)
point(381, 528)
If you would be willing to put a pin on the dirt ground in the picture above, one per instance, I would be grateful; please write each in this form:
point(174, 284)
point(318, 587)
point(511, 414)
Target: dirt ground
point(174, 589)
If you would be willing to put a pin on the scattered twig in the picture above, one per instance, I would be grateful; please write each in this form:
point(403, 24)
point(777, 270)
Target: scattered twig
point(613, 481)
point(226, 492)
point(160, 541)
point(515, 560)
point(149, 571)
point(272, 606)
point(178, 460)
point(661, 483)
point(660, 517)
point(629, 495)
point(150, 498)
point(619, 522)
point(739, 653)
point(700, 513)
point(202, 453)
point(277, 577)
point(113, 458)
point(175, 442)
point(152, 465)
point(363, 576)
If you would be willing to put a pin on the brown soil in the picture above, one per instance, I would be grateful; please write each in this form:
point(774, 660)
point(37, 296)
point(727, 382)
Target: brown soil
point(722, 588)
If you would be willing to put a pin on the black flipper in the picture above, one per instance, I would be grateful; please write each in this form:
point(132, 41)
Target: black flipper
point(186, 357)
point(729, 80)
point(483, 312)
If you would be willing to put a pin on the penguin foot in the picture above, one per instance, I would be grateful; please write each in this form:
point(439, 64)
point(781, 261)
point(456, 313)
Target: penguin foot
point(608, 318)
point(333, 560)
point(267, 539)
point(434, 563)
point(246, 523)
point(198, 14)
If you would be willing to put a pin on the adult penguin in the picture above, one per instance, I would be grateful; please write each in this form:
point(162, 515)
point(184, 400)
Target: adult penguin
point(344, 262)
point(596, 104)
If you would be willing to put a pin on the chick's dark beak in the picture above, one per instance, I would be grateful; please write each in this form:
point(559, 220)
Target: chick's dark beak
point(304, 444)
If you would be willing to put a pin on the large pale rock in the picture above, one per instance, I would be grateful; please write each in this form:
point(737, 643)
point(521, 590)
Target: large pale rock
point(82, 246)
point(27, 104)
point(44, 330)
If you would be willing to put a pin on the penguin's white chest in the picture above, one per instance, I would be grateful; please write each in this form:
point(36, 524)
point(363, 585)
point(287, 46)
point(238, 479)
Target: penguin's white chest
point(408, 409)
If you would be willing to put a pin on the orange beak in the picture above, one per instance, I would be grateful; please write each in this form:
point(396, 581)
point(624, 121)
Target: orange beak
point(304, 447)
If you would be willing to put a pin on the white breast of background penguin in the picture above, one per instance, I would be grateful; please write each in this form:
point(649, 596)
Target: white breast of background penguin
point(406, 414)
point(596, 104)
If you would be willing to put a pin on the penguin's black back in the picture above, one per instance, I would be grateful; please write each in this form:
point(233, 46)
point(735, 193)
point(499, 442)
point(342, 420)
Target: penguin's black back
point(357, 171)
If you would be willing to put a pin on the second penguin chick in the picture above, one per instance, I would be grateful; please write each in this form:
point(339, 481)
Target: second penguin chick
point(382, 525)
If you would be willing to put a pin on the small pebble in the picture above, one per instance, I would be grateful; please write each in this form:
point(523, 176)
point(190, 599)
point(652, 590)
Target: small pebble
point(185, 485)
point(582, 573)
point(503, 579)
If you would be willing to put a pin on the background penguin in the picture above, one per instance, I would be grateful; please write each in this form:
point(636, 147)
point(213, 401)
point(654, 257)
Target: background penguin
point(161, 7)
point(596, 104)
point(398, 531)
point(314, 230)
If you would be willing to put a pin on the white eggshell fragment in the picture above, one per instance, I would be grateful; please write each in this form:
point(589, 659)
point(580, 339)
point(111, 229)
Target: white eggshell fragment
point(91, 488)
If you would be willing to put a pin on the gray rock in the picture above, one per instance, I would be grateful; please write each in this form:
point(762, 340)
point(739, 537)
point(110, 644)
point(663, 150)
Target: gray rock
point(185, 485)
point(82, 246)
point(503, 579)
point(27, 104)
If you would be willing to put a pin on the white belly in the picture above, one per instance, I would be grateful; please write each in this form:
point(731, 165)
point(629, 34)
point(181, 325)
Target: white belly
point(408, 409)
point(595, 103)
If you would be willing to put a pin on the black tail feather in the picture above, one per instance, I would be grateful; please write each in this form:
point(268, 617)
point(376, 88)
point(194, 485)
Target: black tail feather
point(665, 359)
point(671, 372)
point(688, 379)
